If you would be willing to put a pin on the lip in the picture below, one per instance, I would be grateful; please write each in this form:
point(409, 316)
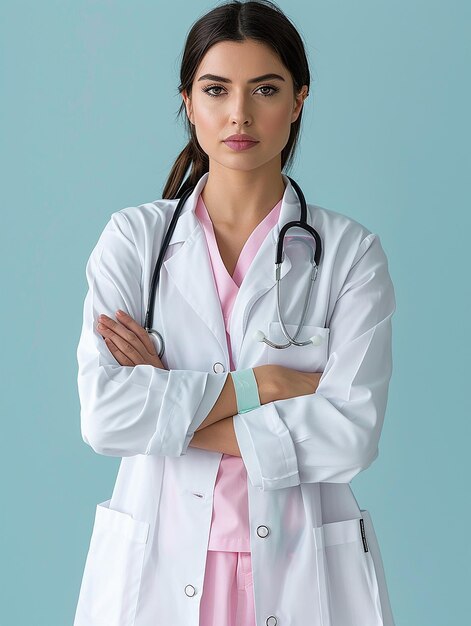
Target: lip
point(241, 137)
point(240, 145)
point(240, 142)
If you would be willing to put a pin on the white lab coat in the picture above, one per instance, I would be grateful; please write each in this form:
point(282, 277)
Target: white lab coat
point(146, 560)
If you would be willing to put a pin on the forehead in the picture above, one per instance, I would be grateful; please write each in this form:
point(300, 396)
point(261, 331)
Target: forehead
point(240, 60)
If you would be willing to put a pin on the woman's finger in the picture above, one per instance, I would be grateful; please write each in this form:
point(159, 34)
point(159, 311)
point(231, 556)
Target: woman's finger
point(137, 329)
point(131, 340)
point(116, 352)
point(124, 338)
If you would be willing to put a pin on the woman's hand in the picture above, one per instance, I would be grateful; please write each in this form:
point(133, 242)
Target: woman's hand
point(129, 342)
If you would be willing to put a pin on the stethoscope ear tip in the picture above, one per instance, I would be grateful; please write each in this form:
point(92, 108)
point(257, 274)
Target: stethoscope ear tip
point(258, 335)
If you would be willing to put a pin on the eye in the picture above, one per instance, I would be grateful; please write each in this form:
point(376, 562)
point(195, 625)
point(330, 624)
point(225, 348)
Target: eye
point(209, 89)
point(266, 95)
point(274, 90)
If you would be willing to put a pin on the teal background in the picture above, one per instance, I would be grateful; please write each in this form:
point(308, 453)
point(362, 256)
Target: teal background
point(88, 104)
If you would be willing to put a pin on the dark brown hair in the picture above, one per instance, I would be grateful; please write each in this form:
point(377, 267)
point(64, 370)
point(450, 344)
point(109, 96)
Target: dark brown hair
point(262, 21)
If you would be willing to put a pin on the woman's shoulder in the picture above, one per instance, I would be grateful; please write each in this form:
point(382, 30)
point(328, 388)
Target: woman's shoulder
point(141, 221)
point(147, 213)
point(137, 224)
point(346, 238)
point(336, 224)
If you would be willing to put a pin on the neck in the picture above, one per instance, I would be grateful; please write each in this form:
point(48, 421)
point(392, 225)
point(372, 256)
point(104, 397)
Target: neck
point(237, 198)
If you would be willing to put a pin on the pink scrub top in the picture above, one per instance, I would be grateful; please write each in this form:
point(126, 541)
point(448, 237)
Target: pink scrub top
point(230, 519)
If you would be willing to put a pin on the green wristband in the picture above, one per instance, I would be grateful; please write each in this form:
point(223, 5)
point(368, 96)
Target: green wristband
point(246, 388)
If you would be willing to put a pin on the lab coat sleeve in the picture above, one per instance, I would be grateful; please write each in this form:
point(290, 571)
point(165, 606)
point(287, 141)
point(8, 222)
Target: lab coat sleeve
point(332, 434)
point(141, 409)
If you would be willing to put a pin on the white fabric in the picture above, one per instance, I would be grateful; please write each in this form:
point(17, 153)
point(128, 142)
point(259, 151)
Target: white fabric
point(145, 564)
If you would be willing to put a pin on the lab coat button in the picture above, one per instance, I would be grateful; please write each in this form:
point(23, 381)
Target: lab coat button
point(190, 590)
point(263, 531)
point(271, 621)
point(219, 368)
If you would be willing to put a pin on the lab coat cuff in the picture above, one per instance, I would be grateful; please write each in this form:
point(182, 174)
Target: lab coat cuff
point(174, 418)
point(267, 448)
point(212, 391)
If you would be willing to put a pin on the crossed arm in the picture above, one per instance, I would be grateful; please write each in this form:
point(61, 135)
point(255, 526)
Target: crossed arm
point(130, 344)
point(326, 436)
point(217, 431)
point(219, 437)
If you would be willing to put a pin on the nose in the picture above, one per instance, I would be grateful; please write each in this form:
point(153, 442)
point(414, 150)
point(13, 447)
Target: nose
point(240, 111)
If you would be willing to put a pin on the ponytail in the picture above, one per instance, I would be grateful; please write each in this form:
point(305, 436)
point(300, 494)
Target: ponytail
point(191, 155)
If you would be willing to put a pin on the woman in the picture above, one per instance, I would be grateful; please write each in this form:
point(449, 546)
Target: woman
point(223, 516)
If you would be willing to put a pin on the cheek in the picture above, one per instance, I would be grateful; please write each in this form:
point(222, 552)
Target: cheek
point(206, 117)
point(207, 126)
point(277, 122)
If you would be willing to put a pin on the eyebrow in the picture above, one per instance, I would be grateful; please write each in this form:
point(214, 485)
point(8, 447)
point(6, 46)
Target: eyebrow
point(257, 79)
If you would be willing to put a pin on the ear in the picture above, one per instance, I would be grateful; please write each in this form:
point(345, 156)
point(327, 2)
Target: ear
point(188, 105)
point(301, 96)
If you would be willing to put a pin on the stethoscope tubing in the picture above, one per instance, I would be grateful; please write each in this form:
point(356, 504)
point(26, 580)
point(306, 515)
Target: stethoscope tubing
point(259, 336)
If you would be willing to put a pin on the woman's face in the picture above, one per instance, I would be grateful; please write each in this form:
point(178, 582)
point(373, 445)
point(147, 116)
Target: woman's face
point(264, 109)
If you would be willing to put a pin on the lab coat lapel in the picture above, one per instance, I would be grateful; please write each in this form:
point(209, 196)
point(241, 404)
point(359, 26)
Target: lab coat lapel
point(191, 271)
point(190, 268)
point(261, 274)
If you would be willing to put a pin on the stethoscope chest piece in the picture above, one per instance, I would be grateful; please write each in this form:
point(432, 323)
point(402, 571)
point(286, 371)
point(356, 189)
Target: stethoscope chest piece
point(158, 341)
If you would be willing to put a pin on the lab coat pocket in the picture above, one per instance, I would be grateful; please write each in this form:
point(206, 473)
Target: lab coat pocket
point(309, 358)
point(347, 582)
point(113, 569)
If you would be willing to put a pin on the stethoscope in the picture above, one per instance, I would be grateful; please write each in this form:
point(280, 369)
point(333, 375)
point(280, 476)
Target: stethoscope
point(280, 255)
